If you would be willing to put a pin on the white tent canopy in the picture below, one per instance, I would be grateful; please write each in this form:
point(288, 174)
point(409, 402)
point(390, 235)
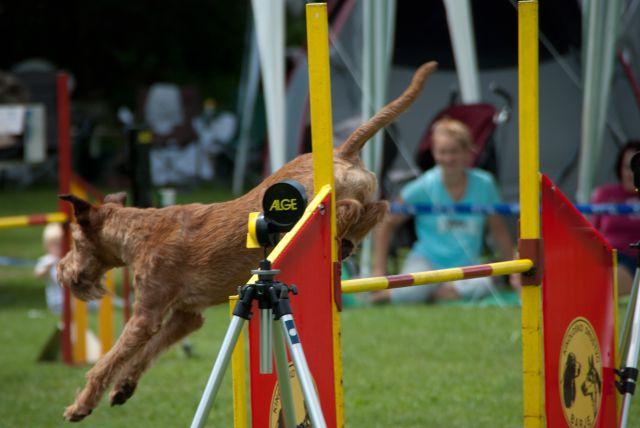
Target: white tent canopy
point(270, 28)
point(602, 19)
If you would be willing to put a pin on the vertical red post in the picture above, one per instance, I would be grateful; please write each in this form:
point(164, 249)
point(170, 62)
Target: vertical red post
point(64, 187)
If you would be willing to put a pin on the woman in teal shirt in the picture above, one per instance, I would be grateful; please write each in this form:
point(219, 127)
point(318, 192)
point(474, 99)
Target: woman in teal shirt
point(445, 240)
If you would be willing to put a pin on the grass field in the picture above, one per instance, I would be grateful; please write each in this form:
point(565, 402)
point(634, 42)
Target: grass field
point(420, 366)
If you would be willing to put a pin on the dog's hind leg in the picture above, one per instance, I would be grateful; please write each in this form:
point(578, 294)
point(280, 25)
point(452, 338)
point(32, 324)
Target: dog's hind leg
point(137, 332)
point(179, 325)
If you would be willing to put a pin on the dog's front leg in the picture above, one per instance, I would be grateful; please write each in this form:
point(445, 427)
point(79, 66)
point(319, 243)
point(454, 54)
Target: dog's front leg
point(140, 328)
point(179, 325)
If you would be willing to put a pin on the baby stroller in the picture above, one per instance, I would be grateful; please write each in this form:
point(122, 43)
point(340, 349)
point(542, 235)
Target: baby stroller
point(485, 122)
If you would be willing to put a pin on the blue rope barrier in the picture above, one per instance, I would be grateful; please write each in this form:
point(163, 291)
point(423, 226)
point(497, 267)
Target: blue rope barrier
point(11, 261)
point(507, 209)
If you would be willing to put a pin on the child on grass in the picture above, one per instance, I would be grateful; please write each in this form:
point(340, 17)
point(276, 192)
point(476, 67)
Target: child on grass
point(46, 265)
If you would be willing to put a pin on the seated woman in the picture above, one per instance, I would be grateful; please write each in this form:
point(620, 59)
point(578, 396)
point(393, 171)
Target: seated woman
point(620, 230)
point(445, 240)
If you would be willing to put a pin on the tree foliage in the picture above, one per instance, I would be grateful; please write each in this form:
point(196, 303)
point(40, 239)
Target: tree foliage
point(113, 47)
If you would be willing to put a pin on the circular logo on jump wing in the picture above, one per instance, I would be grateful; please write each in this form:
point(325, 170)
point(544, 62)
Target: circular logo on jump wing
point(580, 374)
point(276, 412)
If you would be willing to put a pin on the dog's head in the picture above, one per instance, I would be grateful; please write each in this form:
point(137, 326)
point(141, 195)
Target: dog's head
point(356, 188)
point(81, 269)
point(355, 220)
point(357, 211)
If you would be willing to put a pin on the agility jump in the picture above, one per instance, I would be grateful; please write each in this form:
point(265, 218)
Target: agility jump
point(562, 326)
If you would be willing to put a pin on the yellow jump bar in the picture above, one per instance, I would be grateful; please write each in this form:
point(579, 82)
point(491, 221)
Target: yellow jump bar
point(435, 276)
point(30, 220)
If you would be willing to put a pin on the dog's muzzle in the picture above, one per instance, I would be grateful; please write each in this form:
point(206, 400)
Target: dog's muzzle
point(347, 248)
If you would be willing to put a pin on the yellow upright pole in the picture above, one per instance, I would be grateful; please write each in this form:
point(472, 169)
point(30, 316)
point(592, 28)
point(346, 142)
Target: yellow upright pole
point(320, 95)
point(80, 326)
point(321, 139)
point(80, 312)
point(105, 314)
point(239, 379)
point(533, 393)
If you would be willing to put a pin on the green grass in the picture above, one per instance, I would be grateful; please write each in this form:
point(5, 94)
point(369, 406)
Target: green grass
point(432, 366)
point(420, 366)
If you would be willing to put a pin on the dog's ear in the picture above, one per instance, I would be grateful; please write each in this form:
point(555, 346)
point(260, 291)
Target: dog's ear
point(119, 198)
point(81, 208)
point(348, 211)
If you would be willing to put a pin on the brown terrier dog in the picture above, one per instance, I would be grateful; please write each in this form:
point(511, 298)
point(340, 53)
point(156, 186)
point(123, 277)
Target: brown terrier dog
point(175, 258)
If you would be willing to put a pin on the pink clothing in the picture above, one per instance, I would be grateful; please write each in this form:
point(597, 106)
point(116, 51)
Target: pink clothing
point(619, 230)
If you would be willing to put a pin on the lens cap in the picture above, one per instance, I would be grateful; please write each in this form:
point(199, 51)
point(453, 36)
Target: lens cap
point(284, 203)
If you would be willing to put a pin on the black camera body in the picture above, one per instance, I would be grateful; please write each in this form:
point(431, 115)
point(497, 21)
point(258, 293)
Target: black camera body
point(283, 205)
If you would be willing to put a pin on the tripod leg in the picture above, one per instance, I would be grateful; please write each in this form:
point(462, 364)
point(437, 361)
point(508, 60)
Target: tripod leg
point(630, 344)
point(284, 381)
point(628, 318)
point(217, 374)
point(303, 372)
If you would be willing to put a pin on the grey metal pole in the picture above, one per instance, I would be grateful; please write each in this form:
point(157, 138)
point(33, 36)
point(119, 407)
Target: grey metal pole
point(303, 372)
point(284, 381)
point(217, 374)
point(266, 345)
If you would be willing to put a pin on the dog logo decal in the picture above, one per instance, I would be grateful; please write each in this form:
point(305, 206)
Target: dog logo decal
point(580, 374)
point(571, 372)
point(592, 385)
point(276, 418)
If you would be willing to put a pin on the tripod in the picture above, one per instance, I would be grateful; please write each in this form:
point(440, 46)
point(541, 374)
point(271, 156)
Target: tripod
point(273, 301)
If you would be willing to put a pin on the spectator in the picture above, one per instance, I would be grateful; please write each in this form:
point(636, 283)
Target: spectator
point(620, 230)
point(445, 240)
point(46, 265)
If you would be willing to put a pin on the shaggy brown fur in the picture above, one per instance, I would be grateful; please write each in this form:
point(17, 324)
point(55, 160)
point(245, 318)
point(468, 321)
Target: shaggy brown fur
point(188, 257)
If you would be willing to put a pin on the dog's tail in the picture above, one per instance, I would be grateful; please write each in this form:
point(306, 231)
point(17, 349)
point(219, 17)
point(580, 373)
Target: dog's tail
point(351, 148)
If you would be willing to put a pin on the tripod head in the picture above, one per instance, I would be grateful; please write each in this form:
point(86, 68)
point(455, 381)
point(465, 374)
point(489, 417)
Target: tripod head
point(283, 205)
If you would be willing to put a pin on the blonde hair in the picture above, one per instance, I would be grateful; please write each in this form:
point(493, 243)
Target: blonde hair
point(52, 233)
point(455, 129)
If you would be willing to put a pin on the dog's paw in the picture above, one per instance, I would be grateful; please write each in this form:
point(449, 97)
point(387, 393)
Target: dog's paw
point(76, 413)
point(121, 393)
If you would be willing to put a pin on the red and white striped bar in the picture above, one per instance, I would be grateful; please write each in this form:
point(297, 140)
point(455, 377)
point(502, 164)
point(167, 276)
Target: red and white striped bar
point(30, 220)
point(435, 276)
